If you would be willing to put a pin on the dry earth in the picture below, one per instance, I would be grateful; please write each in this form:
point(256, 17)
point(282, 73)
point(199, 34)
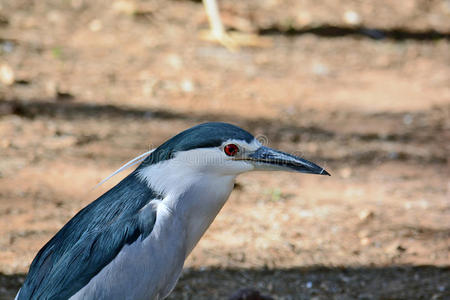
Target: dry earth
point(87, 85)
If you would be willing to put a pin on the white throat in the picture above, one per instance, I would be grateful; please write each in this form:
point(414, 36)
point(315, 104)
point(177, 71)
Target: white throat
point(193, 195)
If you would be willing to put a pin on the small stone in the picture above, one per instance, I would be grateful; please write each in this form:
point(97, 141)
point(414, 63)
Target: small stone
point(366, 215)
point(95, 25)
point(352, 18)
point(187, 86)
point(175, 61)
point(303, 18)
point(124, 7)
point(364, 241)
point(6, 74)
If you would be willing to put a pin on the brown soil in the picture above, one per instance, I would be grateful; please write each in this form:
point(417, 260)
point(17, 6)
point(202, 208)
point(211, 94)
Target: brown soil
point(96, 83)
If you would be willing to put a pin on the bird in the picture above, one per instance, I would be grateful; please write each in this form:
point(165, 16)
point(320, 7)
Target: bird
point(132, 242)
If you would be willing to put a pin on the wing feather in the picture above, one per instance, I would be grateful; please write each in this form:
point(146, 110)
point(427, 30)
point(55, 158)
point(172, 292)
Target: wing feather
point(89, 241)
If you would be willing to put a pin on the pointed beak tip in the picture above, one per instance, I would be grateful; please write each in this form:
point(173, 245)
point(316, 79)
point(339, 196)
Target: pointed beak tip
point(324, 172)
point(277, 160)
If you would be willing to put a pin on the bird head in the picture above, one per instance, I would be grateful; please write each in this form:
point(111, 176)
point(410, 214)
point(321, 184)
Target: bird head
point(225, 149)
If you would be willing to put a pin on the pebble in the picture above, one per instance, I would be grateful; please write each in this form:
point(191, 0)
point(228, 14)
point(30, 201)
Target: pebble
point(352, 18)
point(187, 86)
point(124, 7)
point(95, 25)
point(7, 76)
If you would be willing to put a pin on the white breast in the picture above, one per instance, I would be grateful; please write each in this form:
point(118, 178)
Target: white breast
point(149, 269)
point(145, 269)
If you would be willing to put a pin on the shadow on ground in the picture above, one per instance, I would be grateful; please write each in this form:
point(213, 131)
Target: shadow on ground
point(391, 282)
point(279, 130)
point(331, 31)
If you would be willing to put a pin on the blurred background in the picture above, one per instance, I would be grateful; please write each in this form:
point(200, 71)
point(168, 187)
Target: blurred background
point(359, 87)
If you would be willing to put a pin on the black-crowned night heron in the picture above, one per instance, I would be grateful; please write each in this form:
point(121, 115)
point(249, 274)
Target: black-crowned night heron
point(131, 243)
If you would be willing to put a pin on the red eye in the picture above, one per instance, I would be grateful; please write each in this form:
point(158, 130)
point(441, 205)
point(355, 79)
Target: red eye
point(231, 149)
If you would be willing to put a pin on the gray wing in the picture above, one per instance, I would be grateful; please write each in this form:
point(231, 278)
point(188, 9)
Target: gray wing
point(90, 240)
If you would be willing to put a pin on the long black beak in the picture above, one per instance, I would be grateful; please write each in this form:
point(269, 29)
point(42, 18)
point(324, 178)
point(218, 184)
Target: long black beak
point(269, 159)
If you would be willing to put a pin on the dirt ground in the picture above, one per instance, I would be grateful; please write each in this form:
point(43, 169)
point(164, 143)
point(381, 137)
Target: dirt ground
point(359, 87)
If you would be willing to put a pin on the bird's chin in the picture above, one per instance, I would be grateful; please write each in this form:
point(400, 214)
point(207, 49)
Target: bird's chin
point(234, 168)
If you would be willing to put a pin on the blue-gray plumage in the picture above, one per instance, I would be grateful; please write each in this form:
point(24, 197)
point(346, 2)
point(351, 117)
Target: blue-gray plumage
point(90, 240)
point(200, 136)
point(132, 241)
